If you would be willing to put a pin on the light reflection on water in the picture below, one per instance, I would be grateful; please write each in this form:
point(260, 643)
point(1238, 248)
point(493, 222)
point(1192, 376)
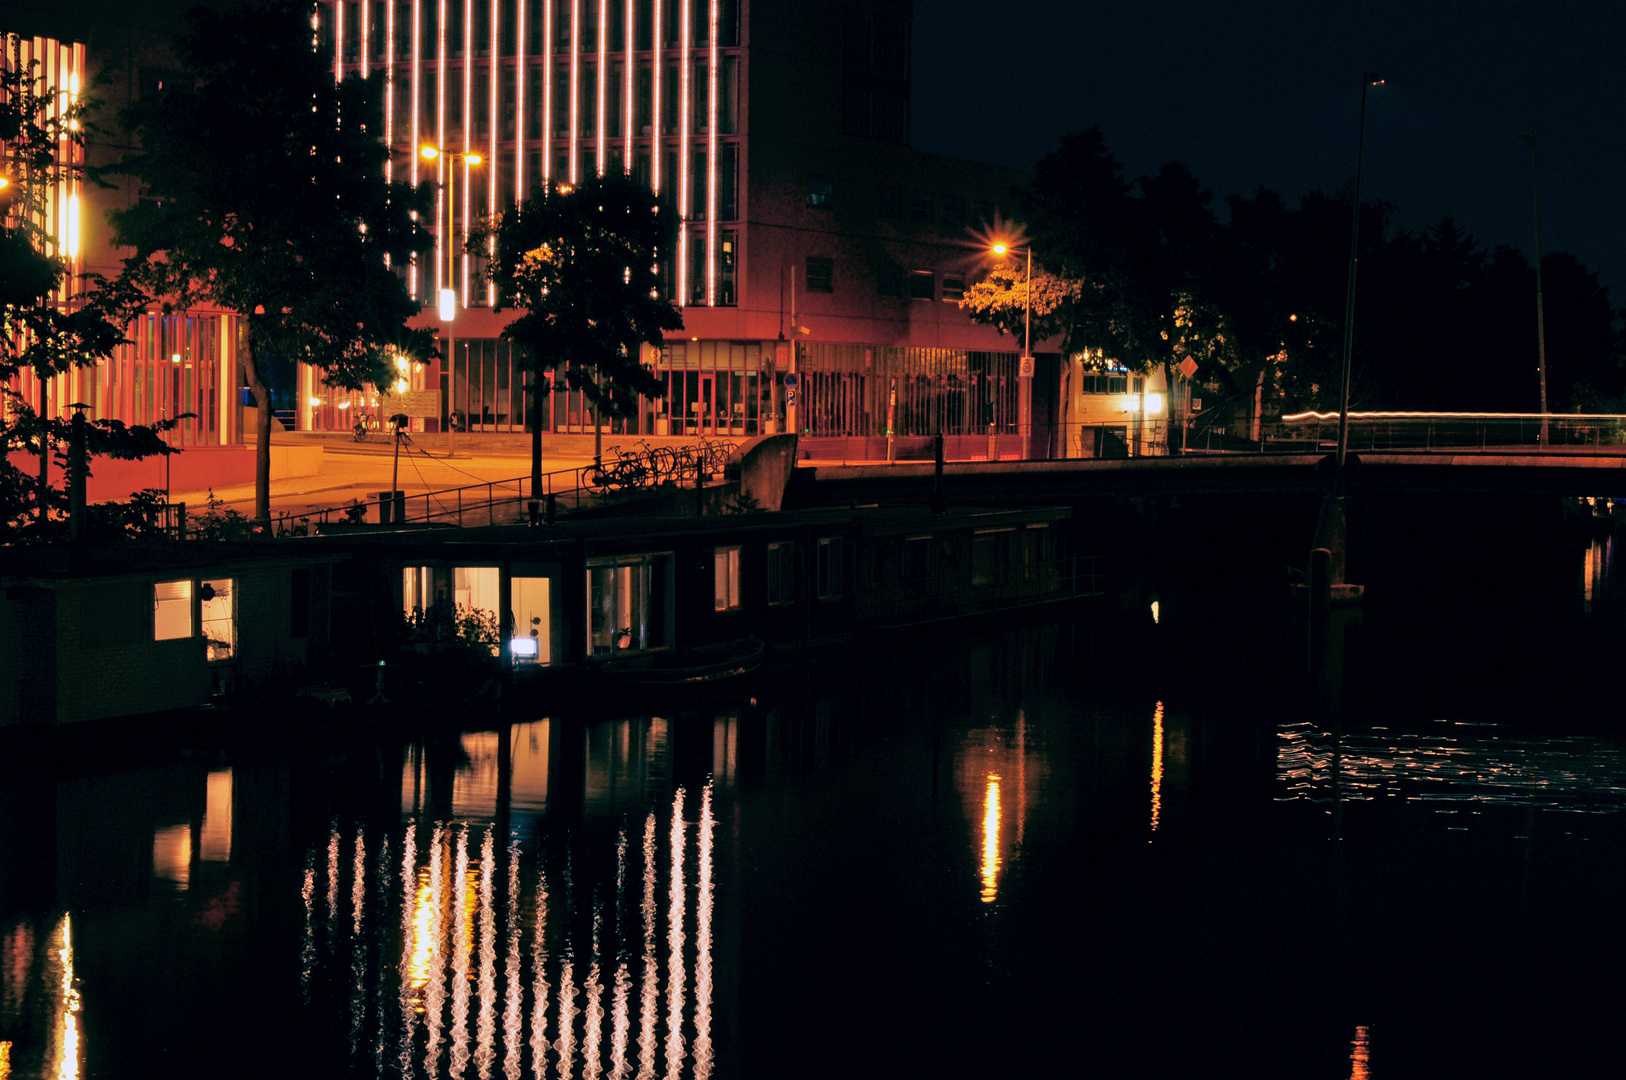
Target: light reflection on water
point(466, 915)
point(1453, 763)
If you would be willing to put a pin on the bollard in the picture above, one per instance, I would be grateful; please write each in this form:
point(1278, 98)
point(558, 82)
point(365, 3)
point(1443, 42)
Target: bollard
point(553, 509)
point(533, 511)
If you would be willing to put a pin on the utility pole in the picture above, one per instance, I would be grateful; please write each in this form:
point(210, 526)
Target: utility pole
point(1541, 318)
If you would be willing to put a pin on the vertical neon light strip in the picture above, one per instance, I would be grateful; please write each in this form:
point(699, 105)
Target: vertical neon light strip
point(389, 88)
point(491, 158)
point(338, 39)
point(603, 56)
point(442, 164)
point(547, 91)
point(626, 132)
point(461, 229)
point(655, 102)
point(519, 103)
point(363, 11)
point(575, 82)
point(417, 100)
point(685, 122)
point(711, 165)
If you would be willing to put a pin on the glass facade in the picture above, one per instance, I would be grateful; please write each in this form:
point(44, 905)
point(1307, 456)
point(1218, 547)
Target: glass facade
point(550, 91)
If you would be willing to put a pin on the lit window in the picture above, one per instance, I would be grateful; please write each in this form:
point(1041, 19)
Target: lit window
point(629, 603)
point(830, 568)
point(727, 578)
point(171, 610)
point(219, 618)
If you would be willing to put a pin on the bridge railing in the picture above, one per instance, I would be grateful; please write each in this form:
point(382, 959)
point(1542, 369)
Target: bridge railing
point(1312, 433)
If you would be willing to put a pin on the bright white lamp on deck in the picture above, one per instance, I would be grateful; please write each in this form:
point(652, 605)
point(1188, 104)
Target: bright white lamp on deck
point(448, 304)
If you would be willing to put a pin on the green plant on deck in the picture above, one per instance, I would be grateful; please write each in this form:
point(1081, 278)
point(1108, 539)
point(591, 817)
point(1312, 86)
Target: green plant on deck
point(444, 624)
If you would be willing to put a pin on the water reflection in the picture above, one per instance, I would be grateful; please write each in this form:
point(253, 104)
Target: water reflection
point(472, 922)
point(1360, 1056)
point(1453, 763)
point(1001, 773)
point(1595, 571)
point(1157, 765)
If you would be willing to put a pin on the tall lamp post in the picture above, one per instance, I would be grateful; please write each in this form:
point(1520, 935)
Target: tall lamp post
point(1541, 317)
point(448, 295)
point(1367, 82)
point(1024, 397)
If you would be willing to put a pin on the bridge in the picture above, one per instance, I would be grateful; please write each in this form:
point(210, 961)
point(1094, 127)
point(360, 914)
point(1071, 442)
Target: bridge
point(1555, 471)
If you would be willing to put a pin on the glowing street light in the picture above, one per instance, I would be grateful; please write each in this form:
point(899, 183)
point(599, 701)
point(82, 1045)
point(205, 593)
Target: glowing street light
point(1001, 248)
point(448, 295)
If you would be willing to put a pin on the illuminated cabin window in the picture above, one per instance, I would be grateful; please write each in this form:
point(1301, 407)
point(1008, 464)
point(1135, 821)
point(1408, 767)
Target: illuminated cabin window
point(726, 578)
point(219, 618)
point(629, 603)
point(782, 572)
point(532, 640)
point(829, 569)
point(171, 610)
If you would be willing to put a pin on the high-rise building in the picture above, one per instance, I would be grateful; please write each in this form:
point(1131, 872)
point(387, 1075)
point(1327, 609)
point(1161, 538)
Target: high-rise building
point(815, 242)
point(821, 256)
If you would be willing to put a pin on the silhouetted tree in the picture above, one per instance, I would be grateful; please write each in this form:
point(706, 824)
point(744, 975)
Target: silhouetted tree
point(266, 196)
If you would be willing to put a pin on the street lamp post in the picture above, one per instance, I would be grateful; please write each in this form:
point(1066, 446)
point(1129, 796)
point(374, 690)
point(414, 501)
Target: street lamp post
point(1024, 399)
point(1541, 317)
point(448, 295)
point(1367, 82)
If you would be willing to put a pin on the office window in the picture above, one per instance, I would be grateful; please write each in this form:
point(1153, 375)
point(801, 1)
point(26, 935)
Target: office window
point(821, 274)
point(888, 281)
point(821, 192)
point(953, 287)
point(171, 610)
point(782, 572)
point(890, 202)
point(726, 578)
point(921, 208)
point(920, 285)
point(829, 568)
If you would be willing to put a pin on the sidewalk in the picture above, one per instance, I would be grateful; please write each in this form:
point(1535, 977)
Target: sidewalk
point(359, 471)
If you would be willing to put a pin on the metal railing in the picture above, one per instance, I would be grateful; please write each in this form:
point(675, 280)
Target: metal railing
point(504, 502)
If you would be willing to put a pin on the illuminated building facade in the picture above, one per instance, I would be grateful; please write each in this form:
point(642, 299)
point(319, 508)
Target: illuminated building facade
point(813, 241)
point(175, 364)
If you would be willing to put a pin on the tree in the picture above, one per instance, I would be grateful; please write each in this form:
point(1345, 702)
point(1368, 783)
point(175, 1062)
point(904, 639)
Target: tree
point(583, 264)
point(48, 324)
point(266, 196)
point(1000, 300)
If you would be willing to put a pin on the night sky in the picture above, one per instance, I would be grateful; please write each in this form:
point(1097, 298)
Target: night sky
point(1262, 91)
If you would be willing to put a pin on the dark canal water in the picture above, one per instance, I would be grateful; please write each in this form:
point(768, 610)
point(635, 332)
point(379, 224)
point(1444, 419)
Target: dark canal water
point(993, 854)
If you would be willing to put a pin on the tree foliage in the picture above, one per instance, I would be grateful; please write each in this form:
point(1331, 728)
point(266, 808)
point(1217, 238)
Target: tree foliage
point(583, 265)
point(1150, 276)
point(49, 325)
point(266, 196)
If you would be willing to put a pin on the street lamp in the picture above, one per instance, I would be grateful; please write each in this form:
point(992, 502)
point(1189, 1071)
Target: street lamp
point(1367, 81)
point(448, 295)
point(1541, 318)
point(1024, 399)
